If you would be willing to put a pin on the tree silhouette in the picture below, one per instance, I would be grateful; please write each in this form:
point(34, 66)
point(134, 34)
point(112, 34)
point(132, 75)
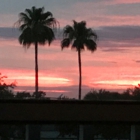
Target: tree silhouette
point(6, 91)
point(105, 95)
point(23, 95)
point(36, 27)
point(80, 37)
point(39, 95)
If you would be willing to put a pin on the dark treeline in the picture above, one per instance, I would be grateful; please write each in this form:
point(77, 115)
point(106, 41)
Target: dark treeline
point(128, 94)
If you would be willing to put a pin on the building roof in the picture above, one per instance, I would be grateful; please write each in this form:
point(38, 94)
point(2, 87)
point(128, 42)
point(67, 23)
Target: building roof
point(59, 111)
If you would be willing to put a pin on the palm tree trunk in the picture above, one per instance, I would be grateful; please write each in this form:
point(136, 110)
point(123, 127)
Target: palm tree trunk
point(36, 67)
point(80, 133)
point(80, 73)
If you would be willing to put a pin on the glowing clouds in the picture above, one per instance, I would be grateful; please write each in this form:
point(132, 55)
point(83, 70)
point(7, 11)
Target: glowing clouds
point(115, 84)
point(43, 81)
point(54, 81)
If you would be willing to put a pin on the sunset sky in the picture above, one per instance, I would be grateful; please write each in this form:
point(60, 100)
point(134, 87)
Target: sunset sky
point(115, 65)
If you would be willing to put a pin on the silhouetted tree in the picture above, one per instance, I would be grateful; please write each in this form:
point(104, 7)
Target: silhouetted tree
point(36, 27)
point(6, 89)
point(39, 95)
point(91, 95)
point(132, 93)
point(135, 92)
point(80, 37)
point(126, 95)
point(23, 95)
point(102, 95)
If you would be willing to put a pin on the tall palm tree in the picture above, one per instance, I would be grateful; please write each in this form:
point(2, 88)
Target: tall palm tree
point(79, 37)
point(36, 27)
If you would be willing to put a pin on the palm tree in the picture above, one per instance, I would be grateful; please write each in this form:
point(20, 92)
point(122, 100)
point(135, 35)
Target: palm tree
point(36, 27)
point(79, 36)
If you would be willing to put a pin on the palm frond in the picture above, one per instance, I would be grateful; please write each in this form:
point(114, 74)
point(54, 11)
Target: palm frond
point(37, 14)
point(69, 32)
point(26, 37)
point(75, 24)
point(22, 27)
point(48, 35)
point(65, 43)
point(24, 17)
point(33, 9)
point(51, 22)
point(46, 15)
point(83, 23)
point(90, 44)
point(91, 34)
point(77, 45)
point(29, 13)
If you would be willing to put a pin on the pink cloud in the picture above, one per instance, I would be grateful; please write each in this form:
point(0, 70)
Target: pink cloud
point(126, 1)
point(105, 20)
point(96, 14)
point(26, 78)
